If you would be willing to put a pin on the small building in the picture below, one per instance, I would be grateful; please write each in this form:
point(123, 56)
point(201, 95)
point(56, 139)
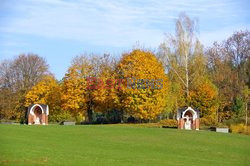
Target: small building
point(38, 114)
point(188, 118)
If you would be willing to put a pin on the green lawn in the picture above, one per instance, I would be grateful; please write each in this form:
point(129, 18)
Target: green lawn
point(119, 145)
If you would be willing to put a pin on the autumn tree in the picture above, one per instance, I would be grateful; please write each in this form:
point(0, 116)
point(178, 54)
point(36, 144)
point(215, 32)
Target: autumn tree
point(17, 77)
point(104, 92)
point(205, 97)
point(246, 99)
point(237, 50)
point(144, 89)
point(47, 91)
point(185, 64)
point(178, 51)
point(224, 78)
point(228, 64)
point(74, 91)
point(83, 85)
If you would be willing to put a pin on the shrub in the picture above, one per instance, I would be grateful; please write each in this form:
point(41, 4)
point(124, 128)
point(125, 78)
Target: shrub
point(169, 123)
point(60, 116)
point(207, 121)
point(6, 121)
point(78, 119)
point(239, 128)
point(235, 121)
point(222, 125)
point(247, 130)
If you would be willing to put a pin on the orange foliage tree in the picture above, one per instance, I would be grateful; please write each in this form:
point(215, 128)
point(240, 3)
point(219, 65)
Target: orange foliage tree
point(204, 96)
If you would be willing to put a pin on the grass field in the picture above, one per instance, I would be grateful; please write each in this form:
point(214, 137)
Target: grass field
point(119, 145)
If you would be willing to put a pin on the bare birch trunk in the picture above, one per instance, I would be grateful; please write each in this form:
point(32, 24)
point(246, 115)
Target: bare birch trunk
point(246, 113)
point(187, 77)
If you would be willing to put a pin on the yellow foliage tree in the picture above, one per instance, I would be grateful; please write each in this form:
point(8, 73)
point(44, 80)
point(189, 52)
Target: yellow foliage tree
point(74, 91)
point(144, 90)
point(47, 91)
point(105, 96)
point(84, 86)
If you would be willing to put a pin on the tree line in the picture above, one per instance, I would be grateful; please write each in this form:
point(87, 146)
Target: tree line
point(215, 80)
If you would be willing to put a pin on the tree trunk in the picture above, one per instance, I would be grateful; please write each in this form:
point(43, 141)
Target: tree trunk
point(246, 113)
point(122, 116)
point(187, 75)
point(90, 115)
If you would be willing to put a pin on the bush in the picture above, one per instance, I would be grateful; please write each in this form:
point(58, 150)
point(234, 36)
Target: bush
point(60, 116)
point(169, 123)
point(78, 119)
point(113, 116)
point(247, 130)
point(207, 121)
point(6, 121)
point(239, 128)
point(235, 121)
point(222, 125)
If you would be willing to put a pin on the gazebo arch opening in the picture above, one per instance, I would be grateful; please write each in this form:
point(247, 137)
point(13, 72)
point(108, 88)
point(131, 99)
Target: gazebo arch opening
point(188, 118)
point(38, 114)
point(190, 112)
point(34, 107)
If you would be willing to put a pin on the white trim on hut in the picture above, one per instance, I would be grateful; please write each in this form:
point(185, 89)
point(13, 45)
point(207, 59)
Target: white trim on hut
point(38, 118)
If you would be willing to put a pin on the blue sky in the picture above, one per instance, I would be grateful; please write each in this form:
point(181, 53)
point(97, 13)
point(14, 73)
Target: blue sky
point(62, 29)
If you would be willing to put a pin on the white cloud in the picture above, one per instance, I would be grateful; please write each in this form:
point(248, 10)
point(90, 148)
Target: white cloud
point(108, 22)
point(97, 23)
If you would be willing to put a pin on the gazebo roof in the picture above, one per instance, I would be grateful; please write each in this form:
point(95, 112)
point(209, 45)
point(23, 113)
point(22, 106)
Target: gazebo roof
point(45, 108)
point(180, 111)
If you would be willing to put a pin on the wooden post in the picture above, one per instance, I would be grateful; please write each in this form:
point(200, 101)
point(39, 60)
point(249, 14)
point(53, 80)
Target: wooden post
point(197, 124)
point(43, 119)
